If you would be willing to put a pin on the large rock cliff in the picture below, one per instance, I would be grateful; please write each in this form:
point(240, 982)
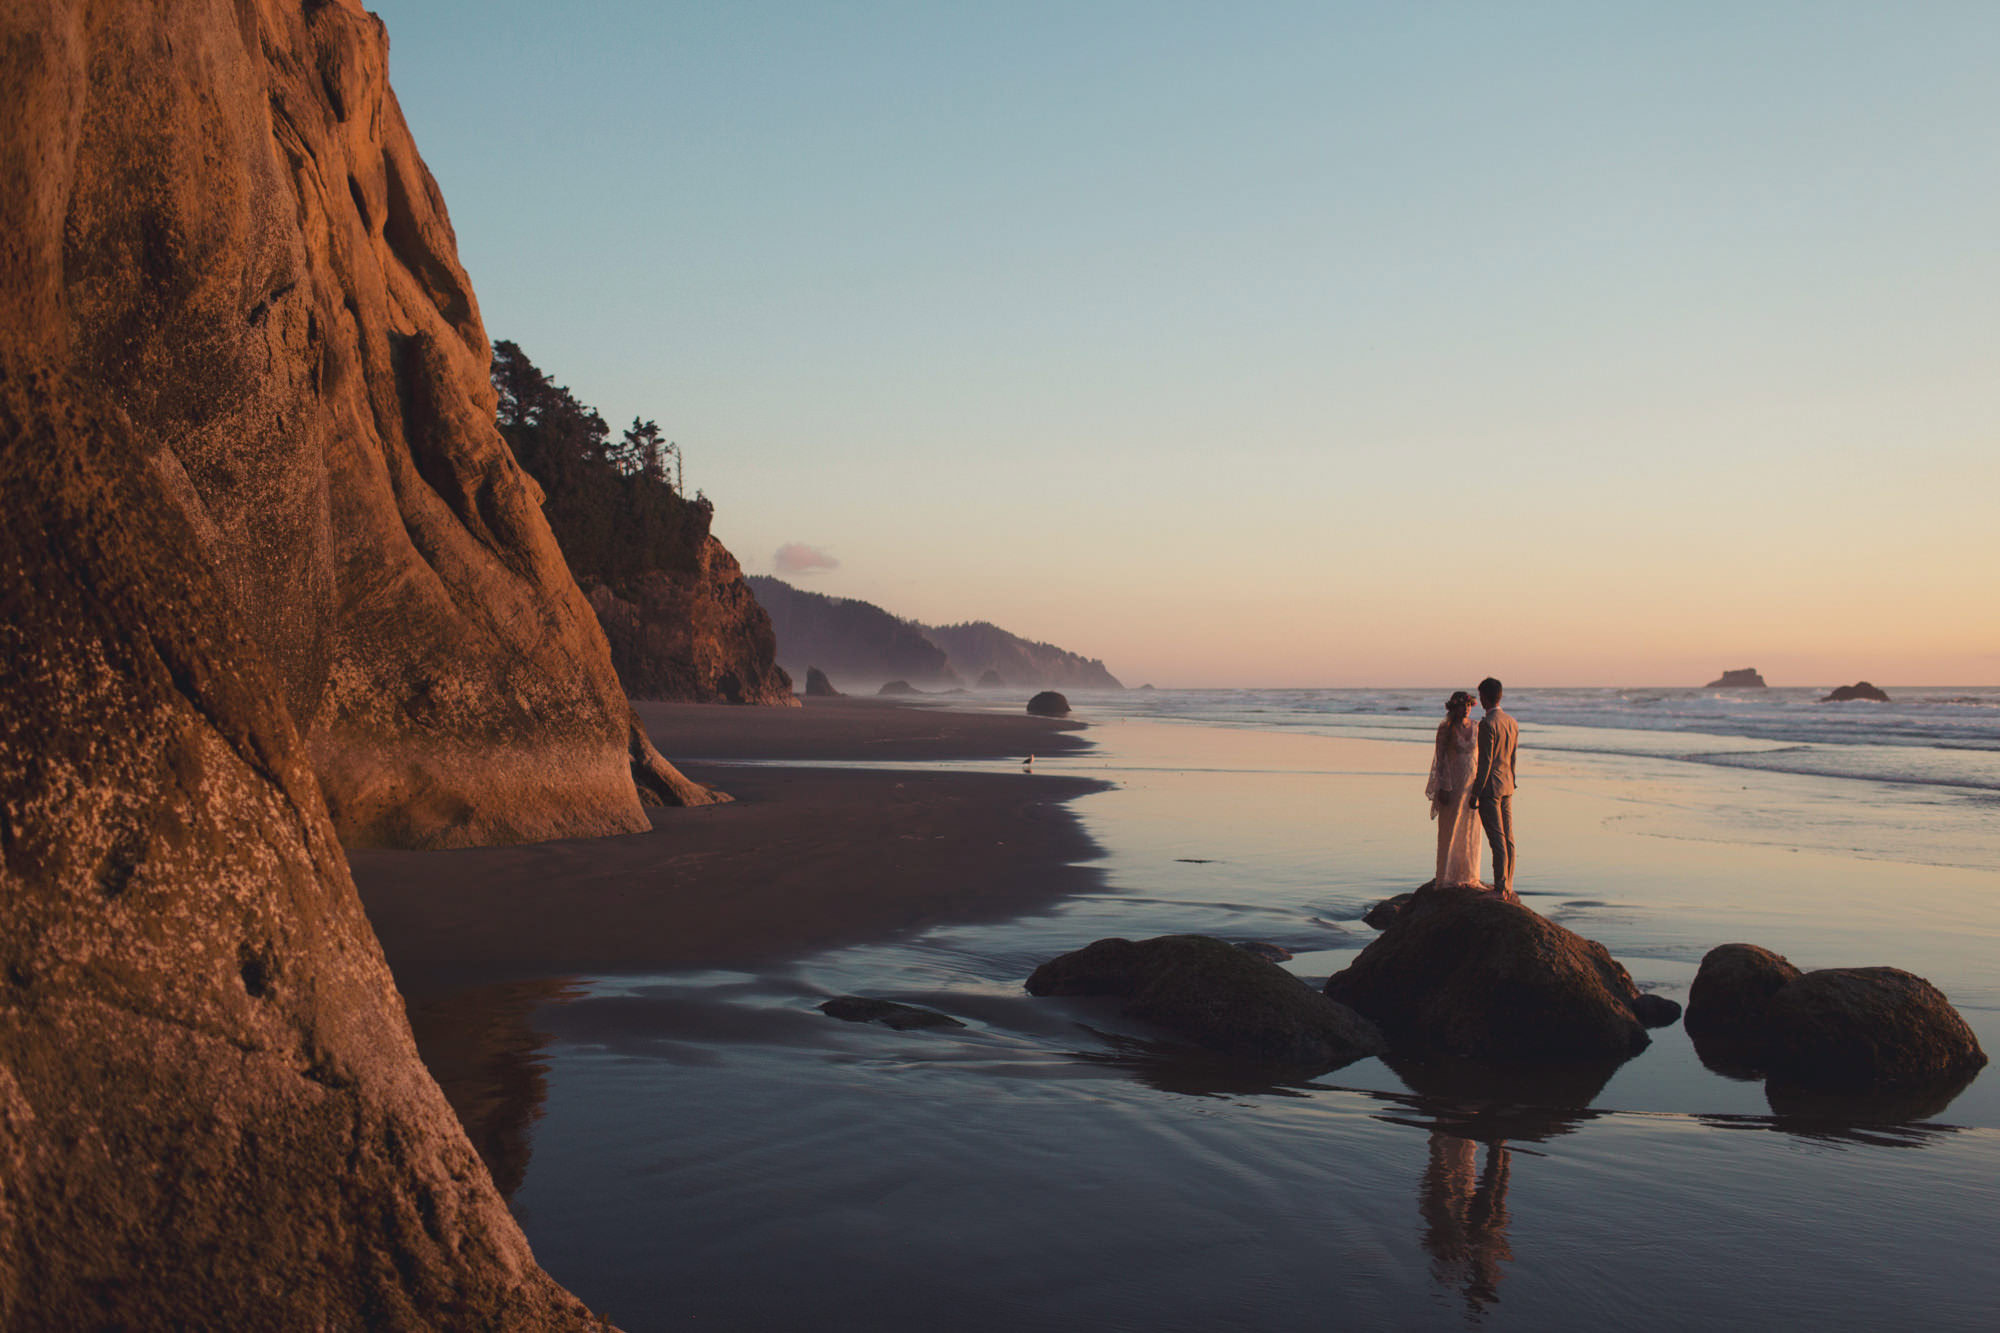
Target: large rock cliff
point(233, 237)
point(697, 636)
point(211, 1111)
point(268, 578)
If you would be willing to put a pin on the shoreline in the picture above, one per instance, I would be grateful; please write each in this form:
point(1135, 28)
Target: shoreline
point(803, 859)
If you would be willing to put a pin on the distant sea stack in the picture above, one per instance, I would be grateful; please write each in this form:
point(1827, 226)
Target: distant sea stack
point(854, 640)
point(1744, 679)
point(818, 686)
point(681, 622)
point(268, 577)
point(1860, 690)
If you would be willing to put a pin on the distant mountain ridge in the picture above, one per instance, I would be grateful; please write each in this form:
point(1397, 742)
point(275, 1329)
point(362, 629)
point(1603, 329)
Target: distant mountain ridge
point(979, 646)
point(850, 640)
point(847, 637)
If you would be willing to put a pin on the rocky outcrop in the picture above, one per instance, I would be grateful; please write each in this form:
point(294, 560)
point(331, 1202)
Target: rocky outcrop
point(219, 222)
point(1744, 678)
point(897, 687)
point(1466, 973)
point(1049, 704)
point(696, 637)
point(989, 679)
point(211, 1111)
point(818, 686)
point(982, 647)
point(1217, 996)
point(1860, 690)
point(1840, 1030)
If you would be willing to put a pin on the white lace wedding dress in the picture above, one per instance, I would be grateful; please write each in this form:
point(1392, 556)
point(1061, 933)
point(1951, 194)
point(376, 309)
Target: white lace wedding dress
point(1450, 790)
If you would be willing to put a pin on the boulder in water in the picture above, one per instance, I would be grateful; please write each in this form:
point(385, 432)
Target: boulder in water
point(1216, 996)
point(1861, 690)
point(1729, 1002)
point(897, 687)
point(1854, 1029)
point(1467, 973)
point(818, 686)
point(1049, 704)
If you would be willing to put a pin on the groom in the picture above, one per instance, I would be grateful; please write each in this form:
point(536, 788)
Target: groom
point(1493, 784)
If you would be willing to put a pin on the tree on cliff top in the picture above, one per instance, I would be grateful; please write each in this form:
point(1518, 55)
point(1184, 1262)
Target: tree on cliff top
point(615, 512)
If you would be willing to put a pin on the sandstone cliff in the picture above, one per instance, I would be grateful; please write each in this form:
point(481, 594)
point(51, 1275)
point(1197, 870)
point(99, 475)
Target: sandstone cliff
point(211, 1111)
point(234, 239)
point(697, 636)
point(681, 622)
point(268, 576)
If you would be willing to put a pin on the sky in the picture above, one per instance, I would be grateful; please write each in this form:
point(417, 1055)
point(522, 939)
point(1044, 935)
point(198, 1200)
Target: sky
point(1265, 344)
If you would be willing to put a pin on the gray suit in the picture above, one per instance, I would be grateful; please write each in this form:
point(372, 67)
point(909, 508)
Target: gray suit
point(1493, 788)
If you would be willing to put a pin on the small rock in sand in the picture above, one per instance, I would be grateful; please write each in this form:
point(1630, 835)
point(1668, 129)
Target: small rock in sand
point(902, 1017)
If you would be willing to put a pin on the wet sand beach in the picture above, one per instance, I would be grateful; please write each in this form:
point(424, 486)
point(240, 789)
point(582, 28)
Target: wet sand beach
point(802, 859)
point(688, 1141)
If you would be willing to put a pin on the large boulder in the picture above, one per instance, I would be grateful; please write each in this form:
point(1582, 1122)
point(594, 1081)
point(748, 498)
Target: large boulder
point(1729, 1004)
point(1049, 704)
point(818, 686)
point(1466, 973)
point(215, 217)
point(1216, 996)
point(897, 687)
point(1861, 690)
point(1846, 1029)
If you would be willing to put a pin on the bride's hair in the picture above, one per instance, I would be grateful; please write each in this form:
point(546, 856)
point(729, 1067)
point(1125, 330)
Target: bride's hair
point(1456, 707)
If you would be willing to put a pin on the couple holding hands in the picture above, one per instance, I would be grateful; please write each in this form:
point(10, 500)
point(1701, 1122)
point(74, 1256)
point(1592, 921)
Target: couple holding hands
point(1472, 785)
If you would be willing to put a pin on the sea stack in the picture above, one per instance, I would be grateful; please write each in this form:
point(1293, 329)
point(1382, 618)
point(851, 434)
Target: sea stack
point(1744, 678)
point(1860, 690)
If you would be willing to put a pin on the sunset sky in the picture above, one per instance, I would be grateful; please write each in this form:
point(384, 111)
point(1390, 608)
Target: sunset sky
point(1282, 344)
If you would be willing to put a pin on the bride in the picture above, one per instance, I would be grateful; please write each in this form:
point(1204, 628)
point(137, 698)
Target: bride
point(1450, 790)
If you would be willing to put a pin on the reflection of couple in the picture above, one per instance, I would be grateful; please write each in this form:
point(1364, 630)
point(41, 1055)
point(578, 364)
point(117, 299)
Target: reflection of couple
point(1472, 772)
point(1465, 1217)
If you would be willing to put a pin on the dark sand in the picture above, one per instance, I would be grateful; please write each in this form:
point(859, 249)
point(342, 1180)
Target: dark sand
point(804, 859)
point(872, 729)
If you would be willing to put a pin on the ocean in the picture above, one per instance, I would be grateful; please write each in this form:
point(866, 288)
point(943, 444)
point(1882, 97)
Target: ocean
point(1051, 1167)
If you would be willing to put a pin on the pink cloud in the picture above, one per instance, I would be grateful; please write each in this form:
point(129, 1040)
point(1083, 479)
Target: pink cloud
point(798, 558)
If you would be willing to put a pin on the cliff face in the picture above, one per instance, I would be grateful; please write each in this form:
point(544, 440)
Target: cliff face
point(234, 239)
point(696, 636)
point(262, 544)
point(211, 1111)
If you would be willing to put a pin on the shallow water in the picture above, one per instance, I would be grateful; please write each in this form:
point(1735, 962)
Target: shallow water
point(711, 1150)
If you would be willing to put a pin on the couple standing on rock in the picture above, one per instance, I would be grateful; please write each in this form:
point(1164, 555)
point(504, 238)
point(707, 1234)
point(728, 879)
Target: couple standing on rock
point(1472, 771)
